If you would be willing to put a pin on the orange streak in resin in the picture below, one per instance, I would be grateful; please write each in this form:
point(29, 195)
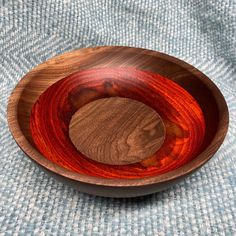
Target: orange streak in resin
point(182, 116)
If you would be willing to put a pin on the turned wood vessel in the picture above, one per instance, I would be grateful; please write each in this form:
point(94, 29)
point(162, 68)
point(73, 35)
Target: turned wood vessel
point(117, 121)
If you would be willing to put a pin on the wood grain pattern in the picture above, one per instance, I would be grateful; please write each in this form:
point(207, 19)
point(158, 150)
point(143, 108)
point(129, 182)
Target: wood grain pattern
point(192, 80)
point(181, 115)
point(116, 131)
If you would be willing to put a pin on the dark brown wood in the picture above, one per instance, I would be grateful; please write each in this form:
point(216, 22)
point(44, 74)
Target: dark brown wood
point(196, 83)
point(117, 131)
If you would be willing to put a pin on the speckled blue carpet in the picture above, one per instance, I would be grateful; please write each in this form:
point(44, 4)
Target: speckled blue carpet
point(202, 33)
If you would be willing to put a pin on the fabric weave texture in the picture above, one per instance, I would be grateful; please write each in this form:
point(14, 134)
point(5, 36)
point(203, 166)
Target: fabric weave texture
point(203, 33)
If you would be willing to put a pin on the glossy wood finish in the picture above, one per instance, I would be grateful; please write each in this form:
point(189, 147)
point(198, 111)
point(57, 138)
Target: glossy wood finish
point(182, 117)
point(116, 131)
point(197, 84)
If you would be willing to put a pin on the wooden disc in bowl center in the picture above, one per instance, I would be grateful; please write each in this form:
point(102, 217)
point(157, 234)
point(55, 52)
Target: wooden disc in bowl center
point(117, 131)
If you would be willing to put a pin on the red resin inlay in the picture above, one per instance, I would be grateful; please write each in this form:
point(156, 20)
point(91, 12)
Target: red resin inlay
point(181, 114)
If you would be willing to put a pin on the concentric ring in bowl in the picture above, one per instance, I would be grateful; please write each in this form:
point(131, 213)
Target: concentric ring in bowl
point(182, 117)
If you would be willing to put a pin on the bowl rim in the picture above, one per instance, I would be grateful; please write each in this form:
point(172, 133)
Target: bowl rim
point(186, 169)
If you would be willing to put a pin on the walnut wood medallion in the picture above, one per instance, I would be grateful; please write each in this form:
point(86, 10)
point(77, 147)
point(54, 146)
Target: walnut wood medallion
point(192, 108)
point(116, 131)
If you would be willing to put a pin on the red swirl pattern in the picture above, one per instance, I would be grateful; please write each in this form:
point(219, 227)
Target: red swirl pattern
point(181, 114)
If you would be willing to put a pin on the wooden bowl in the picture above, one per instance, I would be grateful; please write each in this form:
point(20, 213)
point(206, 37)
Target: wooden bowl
point(172, 117)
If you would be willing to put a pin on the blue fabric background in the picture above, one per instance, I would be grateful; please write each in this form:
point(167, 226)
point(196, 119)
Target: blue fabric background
point(202, 33)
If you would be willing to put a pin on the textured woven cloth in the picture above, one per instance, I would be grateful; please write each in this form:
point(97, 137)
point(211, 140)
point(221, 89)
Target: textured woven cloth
point(202, 33)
